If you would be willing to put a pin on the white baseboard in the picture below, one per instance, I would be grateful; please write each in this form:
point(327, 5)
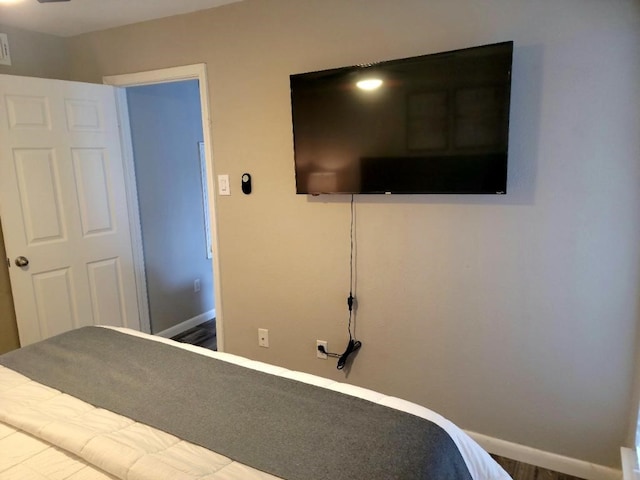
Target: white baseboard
point(550, 461)
point(187, 324)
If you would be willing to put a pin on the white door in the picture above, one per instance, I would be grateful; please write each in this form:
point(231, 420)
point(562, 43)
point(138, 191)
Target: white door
point(63, 207)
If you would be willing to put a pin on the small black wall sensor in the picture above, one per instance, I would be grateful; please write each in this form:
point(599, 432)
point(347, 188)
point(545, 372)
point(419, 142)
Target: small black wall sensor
point(246, 183)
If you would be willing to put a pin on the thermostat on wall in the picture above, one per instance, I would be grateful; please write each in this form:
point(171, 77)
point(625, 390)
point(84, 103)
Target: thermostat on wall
point(5, 56)
point(246, 183)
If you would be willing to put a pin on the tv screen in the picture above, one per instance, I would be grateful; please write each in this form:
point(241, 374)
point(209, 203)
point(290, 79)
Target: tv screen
point(436, 123)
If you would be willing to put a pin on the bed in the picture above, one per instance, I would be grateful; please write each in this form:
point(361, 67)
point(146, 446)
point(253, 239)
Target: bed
point(112, 403)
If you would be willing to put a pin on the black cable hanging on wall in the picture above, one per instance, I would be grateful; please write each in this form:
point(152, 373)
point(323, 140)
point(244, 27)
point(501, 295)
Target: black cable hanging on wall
point(353, 345)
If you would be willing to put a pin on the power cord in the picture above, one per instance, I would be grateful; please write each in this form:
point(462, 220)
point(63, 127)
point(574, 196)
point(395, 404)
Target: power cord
point(353, 345)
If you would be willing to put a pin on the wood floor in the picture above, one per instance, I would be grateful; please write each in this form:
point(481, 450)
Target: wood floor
point(204, 335)
point(524, 471)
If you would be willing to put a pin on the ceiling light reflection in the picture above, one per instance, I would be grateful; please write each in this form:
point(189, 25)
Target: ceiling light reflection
point(369, 84)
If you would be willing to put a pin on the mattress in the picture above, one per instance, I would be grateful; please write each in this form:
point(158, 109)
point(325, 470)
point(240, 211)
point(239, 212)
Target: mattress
point(47, 433)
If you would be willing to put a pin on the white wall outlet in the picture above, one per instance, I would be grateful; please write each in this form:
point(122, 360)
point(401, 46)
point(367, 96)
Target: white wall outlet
point(263, 337)
point(223, 185)
point(196, 285)
point(319, 354)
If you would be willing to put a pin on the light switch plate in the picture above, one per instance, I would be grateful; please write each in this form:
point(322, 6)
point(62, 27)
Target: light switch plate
point(223, 185)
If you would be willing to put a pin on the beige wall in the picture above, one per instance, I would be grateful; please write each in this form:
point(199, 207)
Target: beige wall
point(514, 315)
point(33, 55)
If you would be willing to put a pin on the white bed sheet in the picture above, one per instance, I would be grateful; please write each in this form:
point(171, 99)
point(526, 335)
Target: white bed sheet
point(46, 434)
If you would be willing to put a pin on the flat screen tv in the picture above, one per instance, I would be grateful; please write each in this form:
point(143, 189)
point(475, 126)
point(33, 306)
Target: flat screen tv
point(435, 123)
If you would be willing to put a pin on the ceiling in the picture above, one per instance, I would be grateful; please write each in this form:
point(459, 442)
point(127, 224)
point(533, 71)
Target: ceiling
point(66, 19)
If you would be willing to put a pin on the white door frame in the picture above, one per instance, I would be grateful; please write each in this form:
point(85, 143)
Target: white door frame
point(166, 75)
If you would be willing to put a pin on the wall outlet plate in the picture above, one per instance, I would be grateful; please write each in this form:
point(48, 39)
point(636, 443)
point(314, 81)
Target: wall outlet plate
point(319, 354)
point(263, 337)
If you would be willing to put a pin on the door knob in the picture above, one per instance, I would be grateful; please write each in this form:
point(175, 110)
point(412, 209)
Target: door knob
point(22, 261)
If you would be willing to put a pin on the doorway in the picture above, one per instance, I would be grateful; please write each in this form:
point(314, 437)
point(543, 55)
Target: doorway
point(166, 134)
point(176, 261)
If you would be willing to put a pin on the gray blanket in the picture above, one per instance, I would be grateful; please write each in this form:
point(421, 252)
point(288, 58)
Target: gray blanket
point(280, 426)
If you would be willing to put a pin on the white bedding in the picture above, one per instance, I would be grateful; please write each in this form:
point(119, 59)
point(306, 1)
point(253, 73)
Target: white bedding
point(46, 434)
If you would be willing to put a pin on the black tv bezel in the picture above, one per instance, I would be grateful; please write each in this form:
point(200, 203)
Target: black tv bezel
point(491, 161)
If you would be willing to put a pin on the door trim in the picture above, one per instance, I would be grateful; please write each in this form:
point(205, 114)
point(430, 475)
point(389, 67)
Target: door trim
point(167, 75)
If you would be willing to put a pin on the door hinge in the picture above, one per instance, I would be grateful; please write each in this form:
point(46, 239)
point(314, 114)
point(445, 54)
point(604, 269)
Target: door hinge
point(8, 263)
